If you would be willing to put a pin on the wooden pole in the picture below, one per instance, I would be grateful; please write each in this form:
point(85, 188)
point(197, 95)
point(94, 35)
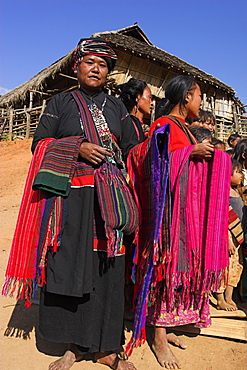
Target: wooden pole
point(235, 118)
point(30, 100)
point(11, 117)
point(153, 112)
point(27, 123)
point(43, 108)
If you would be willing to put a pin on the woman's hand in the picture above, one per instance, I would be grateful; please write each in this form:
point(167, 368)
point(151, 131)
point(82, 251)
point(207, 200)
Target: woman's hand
point(202, 150)
point(93, 153)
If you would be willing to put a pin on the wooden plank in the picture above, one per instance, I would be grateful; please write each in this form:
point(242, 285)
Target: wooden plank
point(240, 313)
point(221, 327)
point(223, 313)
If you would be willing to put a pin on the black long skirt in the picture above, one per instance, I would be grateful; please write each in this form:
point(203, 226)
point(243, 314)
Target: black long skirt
point(94, 321)
point(83, 300)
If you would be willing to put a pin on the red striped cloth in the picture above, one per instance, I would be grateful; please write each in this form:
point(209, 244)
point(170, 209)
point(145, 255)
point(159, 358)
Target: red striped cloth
point(21, 269)
point(235, 226)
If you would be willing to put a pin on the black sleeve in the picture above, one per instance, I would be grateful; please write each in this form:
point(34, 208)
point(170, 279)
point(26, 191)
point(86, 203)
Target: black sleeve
point(48, 124)
point(129, 137)
point(60, 119)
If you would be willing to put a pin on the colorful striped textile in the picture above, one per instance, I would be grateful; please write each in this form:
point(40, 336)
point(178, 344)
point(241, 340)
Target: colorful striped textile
point(22, 264)
point(235, 226)
point(190, 247)
point(148, 170)
point(199, 232)
point(42, 215)
point(57, 169)
point(117, 206)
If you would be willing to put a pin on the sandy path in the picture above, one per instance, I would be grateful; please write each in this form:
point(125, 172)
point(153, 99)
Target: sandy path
point(21, 346)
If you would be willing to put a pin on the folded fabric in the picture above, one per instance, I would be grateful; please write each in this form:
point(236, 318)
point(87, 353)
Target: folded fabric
point(57, 169)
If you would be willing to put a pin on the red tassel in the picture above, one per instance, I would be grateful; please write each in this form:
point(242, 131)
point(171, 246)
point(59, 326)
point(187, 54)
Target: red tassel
point(129, 348)
point(28, 303)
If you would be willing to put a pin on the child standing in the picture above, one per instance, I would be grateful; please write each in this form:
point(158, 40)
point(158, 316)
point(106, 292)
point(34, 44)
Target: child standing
point(240, 154)
point(236, 238)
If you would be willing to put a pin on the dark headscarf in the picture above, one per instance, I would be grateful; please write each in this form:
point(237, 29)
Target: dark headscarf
point(95, 46)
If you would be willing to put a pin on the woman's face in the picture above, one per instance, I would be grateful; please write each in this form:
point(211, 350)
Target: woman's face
point(144, 102)
point(194, 100)
point(92, 73)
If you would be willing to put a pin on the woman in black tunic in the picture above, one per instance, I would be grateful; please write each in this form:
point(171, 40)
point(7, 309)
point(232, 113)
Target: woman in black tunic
point(82, 302)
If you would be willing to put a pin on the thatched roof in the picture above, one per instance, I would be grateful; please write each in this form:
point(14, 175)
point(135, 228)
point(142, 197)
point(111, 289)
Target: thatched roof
point(131, 39)
point(36, 83)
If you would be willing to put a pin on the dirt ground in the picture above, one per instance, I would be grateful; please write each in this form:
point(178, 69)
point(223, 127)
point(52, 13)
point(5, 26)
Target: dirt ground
point(21, 346)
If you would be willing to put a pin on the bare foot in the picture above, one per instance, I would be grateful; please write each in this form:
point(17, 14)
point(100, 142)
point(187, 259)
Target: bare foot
point(226, 306)
point(165, 356)
point(232, 303)
point(172, 338)
point(113, 361)
point(68, 359)
point(162, 351)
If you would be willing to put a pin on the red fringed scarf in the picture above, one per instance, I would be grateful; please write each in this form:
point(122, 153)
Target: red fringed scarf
point(40, 218)
point(21, 269)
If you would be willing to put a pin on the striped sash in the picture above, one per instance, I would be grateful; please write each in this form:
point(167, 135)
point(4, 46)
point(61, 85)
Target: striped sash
point(117, 206)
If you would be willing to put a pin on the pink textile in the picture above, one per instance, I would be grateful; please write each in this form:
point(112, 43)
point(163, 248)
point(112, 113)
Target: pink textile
point(199, 239)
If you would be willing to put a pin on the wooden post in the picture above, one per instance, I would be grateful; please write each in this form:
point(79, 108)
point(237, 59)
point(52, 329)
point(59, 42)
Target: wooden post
point(28, 119)
point(204, 99)
point(43, 108)
point(11, 117)
point(235, 118)
point(31, 100)
point(153, 112)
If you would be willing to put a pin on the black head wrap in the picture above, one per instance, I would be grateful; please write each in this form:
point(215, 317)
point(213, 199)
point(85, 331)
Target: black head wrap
point(95, 46)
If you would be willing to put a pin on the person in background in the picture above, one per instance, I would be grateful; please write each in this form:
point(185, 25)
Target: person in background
point(202, 135)
point(240, 154)
point(218, 144)
point(137, 97)
point(233, 139)
point(80, 257)
point(224, 295)
point(207, 119)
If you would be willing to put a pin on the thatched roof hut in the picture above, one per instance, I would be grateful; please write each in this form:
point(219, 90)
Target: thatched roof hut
point(139, 58)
